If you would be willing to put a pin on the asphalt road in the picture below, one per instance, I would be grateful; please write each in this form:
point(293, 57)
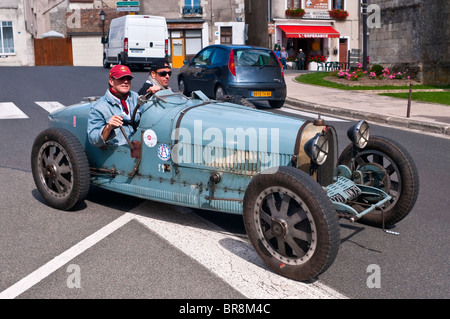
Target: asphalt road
point(122, 247)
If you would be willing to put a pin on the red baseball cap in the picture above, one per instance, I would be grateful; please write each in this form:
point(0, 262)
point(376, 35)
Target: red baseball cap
point(119, 71)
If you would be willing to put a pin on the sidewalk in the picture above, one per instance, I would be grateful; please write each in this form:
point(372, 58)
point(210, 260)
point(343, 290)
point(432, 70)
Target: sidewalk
point(429, 117)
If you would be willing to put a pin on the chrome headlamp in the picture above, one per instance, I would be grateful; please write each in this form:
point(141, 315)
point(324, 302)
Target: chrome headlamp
point(317, 148)
point(359, 134)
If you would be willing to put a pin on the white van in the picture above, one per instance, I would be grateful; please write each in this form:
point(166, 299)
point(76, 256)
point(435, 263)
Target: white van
point(136, 40)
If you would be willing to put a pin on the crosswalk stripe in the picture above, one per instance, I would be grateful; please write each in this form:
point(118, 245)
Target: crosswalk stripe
point(50, 106)
point(9, 110)
point(313, 115)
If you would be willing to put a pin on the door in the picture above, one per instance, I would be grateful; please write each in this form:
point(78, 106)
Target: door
point(53, 51)
point(343, 53)
point(177, 53)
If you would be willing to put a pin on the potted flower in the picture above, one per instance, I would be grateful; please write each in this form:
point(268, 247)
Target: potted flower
point(338, 14)
point(298, 12)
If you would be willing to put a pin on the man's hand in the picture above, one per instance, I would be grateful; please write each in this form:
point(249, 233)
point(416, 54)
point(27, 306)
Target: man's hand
point(114, 121)
point(153, 89)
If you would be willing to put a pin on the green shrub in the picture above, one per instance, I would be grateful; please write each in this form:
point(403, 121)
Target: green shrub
point(377, 69)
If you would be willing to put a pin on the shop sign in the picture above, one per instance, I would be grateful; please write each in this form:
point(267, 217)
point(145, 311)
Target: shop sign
point(317, 15)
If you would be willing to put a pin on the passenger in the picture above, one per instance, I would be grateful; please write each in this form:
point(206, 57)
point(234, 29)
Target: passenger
point(158, 78)
point(113, 110)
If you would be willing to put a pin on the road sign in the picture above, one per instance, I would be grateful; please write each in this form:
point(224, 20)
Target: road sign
point(127, 3)
point(128, 9)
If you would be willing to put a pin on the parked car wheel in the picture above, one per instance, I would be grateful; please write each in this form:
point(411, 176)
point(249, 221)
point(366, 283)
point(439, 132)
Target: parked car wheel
point(182, 87)
point(237, 99)
point(291, 223)
point(60, 168)
point(219, 92)
point(106, 65)
point(402, 178)
point(276, 104)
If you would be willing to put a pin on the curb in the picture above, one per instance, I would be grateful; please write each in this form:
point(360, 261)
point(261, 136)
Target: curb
point(374, 117)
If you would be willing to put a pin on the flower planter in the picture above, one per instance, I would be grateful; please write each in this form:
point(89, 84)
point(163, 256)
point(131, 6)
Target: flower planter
point(312, 66)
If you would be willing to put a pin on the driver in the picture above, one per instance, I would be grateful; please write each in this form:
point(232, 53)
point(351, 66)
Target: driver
point(113, 110)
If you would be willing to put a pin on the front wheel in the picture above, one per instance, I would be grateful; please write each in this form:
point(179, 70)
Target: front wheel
point(291, 223)
point(60, 168)
point(401, 180)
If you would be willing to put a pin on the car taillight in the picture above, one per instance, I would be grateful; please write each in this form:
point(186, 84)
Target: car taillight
point(125, 45)
point(231, 65)
point(166, 48)
point(279, 63)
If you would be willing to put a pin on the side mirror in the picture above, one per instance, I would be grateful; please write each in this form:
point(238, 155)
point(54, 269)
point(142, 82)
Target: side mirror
point(104, 40)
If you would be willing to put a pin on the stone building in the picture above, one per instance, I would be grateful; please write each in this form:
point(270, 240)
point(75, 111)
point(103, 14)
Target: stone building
point(16, 45)
point(315, 32)
point(413, 36)
point(194, 24)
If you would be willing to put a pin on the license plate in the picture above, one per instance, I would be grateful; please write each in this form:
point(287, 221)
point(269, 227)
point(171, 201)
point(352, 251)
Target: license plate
point(137, 51)
point(261, 93)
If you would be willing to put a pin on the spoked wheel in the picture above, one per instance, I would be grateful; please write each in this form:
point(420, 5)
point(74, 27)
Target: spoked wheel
point(392, 170)
point(291, 223)
point(60, 168)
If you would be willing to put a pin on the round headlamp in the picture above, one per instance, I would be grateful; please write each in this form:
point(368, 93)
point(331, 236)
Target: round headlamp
point(317, 148)
point(359, 134)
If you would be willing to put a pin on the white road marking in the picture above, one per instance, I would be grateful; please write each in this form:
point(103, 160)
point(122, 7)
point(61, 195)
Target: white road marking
point(313, 115)
point(9, 110)
point(50, 106)
point(230, 257)
point(57, 262)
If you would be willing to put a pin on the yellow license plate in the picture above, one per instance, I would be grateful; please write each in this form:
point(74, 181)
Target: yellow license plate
point(261, 93)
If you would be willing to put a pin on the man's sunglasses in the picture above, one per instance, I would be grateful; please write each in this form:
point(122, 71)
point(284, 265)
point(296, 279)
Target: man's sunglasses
point(164, 73)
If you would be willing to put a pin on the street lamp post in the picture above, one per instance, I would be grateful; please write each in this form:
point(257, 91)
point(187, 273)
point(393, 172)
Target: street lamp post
point(102, 17)
point(364, 14)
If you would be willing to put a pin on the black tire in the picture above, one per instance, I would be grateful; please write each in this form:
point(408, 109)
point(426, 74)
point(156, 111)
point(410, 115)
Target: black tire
point(403, 183)
point(219, 92)
point(60, 168)
point(237, 99)
point(300, 242)
point(106, 65)
point(276, 104)
point(182, 86)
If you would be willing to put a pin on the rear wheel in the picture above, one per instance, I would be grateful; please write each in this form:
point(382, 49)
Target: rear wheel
point(60, 168)
point(219, 92)
point(276, 104)
point(106, 65)
point(291, 223)
point(182, 87)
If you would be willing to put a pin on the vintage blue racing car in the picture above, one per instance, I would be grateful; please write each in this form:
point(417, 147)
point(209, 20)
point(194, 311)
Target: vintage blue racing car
point(284, 175)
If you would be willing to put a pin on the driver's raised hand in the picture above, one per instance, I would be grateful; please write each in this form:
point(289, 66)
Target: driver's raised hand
point(115, 121)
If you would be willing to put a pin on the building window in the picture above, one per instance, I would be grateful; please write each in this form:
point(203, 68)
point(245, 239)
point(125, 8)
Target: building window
point(338, 4)
point(193, 41)
point(226, 35)
point(293, 4)
point(192, 7)
point(6, 38)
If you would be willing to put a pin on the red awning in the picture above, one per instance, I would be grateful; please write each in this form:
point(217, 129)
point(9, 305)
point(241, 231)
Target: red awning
point(300, 31)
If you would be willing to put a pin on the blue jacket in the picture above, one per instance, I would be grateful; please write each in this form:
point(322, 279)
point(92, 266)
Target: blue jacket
point(100, 113)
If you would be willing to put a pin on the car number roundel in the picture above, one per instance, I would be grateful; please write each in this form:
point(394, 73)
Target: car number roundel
point(150, 138)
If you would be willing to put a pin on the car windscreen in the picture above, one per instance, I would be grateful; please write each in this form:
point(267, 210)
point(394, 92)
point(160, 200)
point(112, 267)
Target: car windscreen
point(255, 57)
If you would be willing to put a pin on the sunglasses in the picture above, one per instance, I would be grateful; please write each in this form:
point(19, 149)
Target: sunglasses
point(164, 73)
